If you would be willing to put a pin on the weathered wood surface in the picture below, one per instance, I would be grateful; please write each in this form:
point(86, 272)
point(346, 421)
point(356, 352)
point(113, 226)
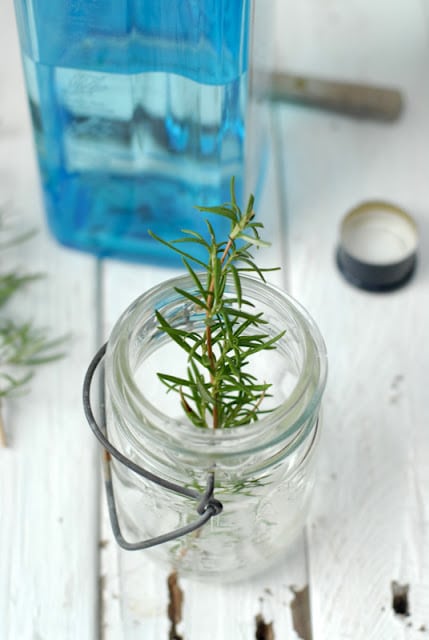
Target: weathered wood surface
point(49, 494)
point(61, 576)
point(370, 523)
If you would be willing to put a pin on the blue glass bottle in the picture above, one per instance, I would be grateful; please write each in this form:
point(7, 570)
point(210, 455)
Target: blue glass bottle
point(138, 110)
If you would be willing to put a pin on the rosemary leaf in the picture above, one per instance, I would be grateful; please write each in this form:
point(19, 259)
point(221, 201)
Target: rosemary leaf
point(23, 346)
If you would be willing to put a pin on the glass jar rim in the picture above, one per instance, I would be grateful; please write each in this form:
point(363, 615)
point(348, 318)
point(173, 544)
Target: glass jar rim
point(182, 434)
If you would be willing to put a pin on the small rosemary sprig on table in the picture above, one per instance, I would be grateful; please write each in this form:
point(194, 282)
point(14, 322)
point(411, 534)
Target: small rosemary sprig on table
point(22, 345)
point(219, 391)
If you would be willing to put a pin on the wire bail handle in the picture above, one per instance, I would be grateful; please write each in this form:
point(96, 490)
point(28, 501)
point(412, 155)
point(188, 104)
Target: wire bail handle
point(207, 506)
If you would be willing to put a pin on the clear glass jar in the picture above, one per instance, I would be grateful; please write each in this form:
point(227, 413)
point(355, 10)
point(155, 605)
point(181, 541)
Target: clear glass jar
point(264, 471)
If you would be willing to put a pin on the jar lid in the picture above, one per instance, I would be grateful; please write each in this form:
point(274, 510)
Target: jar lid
point(378, 246)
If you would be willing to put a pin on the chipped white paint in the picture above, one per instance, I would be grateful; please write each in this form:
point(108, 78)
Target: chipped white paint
point(370, 520)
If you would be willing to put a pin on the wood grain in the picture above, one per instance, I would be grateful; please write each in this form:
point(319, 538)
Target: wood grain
point(369, 525)
point(49, 487)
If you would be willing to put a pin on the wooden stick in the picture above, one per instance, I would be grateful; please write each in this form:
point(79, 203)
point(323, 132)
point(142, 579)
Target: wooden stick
point(348, 98)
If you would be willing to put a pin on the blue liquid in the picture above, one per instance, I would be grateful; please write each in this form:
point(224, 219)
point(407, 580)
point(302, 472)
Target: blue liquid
point(138, 114)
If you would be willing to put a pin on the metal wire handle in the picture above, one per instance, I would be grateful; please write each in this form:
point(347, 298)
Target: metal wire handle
point(207, 506)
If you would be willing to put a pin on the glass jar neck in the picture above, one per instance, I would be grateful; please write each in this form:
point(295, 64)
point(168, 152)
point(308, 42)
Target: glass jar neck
point(144, 424)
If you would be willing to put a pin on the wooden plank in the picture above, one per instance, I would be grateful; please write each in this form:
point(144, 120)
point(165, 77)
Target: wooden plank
point(370, 521)
point(49, 486)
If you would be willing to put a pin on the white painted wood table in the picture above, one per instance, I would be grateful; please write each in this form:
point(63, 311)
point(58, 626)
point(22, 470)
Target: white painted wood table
point(61, 575)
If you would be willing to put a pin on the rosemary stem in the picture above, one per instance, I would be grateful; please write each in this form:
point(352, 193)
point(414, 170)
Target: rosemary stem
point(225, 252)
point(219, 390)
point(209, 345)
point(210, 354)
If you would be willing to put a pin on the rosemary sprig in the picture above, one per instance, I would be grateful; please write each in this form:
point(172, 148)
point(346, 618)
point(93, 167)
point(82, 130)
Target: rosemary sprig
point(23, 346)
point(218, 389)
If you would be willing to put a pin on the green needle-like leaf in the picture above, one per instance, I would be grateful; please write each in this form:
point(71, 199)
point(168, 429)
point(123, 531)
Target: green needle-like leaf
point(23, 346)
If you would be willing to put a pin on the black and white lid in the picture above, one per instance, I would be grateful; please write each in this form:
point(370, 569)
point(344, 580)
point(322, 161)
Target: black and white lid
point(378, 246)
